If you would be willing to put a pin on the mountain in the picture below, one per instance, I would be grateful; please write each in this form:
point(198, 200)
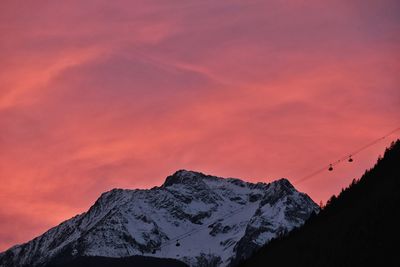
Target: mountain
point(97, 261)
point(215, 221)
point(360, 227)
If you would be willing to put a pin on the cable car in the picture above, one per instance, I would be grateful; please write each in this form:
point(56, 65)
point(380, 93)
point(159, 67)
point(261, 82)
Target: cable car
point(330, 168)
point(177, 243)
point(350, 159)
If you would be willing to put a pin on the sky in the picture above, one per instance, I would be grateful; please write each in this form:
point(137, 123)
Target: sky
point(96, 95)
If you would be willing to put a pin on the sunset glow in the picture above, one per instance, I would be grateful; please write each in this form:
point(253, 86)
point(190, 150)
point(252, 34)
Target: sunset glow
point(96, 95)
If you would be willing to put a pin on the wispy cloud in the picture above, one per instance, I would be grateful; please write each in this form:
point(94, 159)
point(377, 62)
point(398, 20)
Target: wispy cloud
point(101, 95)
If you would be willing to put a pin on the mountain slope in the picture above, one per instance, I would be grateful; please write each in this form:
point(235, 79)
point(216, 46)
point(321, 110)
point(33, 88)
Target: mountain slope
point(87, 261)
point(360, 227)
point(217, 221)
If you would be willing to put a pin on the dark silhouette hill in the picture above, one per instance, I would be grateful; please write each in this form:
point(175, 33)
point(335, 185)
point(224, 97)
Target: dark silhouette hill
point(137, 261)
point(359, 227)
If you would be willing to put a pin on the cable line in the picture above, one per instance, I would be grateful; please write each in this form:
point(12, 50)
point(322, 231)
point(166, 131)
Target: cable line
point(348, 157)
point(193, 231)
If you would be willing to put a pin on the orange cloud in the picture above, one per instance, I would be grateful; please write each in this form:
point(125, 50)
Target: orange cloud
point(97, 96)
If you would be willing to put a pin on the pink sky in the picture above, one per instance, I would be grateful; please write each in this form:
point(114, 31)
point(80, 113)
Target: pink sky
point(102, 94)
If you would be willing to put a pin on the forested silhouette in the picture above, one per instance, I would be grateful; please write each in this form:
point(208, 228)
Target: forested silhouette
point(359, 227)
point(115, 262)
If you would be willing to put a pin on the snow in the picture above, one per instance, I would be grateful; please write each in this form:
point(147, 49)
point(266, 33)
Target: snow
point(209, 216)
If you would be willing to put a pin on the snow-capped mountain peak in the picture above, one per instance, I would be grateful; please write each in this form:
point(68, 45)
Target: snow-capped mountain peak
point(214, 220)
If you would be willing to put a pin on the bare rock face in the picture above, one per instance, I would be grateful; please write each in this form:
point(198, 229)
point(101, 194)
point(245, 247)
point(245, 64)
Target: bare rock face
point(216, 221)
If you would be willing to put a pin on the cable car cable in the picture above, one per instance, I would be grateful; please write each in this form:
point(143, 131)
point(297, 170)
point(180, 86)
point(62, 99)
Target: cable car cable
point(348, 157)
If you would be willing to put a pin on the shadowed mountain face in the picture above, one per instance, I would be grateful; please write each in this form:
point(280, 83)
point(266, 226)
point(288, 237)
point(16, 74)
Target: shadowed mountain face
point(216, 221)
point(360, 227)
point(115, 262)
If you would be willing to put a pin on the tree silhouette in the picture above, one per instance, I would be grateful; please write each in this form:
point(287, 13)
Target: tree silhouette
point(359, 227)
